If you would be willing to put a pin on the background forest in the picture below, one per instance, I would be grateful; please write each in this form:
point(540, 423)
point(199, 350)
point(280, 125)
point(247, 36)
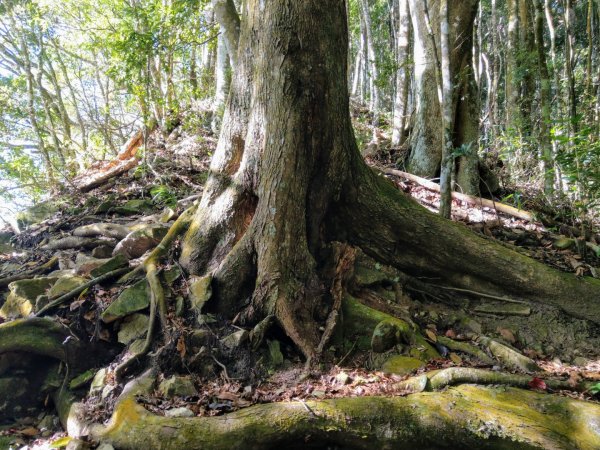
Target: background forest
point(78, 77)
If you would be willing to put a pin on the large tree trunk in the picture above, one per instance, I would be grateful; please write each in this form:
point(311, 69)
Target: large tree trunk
point(287, 179)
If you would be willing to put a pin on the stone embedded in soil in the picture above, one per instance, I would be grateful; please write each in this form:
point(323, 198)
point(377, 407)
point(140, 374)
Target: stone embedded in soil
point(275, 354)
point(102, 251)
point(23, 294)
point(131, 300)
point(179, 412)
point(177, 387)
point(113, 263)
point(200, 291)
point(199, 338)
point(235, 340)
point(65, 284)
point(138, 242)
point(402, 365)
point(98, 382)
point(385, 336)
point(133, 327)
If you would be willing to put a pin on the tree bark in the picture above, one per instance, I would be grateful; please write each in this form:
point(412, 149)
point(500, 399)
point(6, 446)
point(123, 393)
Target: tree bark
point(402, 73)
point(287, 179)
point(426, 136)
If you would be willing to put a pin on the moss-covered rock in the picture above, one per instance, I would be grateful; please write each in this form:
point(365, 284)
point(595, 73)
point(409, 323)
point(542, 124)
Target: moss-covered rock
point(131, 300)
point(133, 327)
point(138, 242)
point(200, 291)
point(113, 263)
point(66, 284)
point(177, 387)
point(402, 365)
point(23, 293)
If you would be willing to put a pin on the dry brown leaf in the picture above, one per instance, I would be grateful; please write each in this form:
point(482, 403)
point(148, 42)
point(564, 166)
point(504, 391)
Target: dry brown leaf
point(507, 335)
point(181, 348)
point(29, 431)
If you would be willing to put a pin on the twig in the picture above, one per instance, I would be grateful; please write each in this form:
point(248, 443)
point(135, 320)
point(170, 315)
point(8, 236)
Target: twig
point(481, 294)
point(22, 276)
point(347, 354)
point(222, 367)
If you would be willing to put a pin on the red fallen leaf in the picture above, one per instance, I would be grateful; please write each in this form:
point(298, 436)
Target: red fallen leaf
point(537, 383)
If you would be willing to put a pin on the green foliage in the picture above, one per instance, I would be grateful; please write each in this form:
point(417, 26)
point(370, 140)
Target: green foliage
point(163, 196)
point(595, 389)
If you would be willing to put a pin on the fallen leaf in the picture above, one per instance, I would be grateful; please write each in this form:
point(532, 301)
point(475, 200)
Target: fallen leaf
point(181, 348)
point(450, 334)
point(507, 335)
point(537, 383)
point(431, 335)
point(227, 396)
point(29, 431)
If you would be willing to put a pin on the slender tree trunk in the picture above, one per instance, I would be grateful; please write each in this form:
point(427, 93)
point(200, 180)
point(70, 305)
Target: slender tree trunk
point(513, 116)
point(545, 101)
point(372, 64)
point(221, 83)
point(228, 19)
point(447, 115)
point(402, 73)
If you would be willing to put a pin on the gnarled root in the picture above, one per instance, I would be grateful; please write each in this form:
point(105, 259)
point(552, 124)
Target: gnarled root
point(463, 417)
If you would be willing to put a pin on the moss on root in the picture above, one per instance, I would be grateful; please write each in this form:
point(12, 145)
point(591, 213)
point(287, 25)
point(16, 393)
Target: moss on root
point(464, 417)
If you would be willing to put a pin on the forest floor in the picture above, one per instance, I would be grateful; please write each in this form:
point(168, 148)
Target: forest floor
point(169, 176)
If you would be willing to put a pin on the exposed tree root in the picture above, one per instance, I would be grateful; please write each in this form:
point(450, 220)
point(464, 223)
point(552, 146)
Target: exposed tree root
point(78, 290)
point(157, 295)
point(45, 337)
point(508, 357)
point(47, 266)
point(462, 417)
point(467, 348)
point(460, 375)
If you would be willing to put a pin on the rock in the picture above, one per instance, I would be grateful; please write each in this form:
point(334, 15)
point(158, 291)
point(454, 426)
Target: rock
point(235, 340)
point(413, 385)
point(105, 446)
point(275, 353)
point(85, 264)
point(23, 294)
point(365, 276)
point(111, 230)
point(580, 361)
point(385, 336)
point(137, 346)
point(177, 387)
point(13, 395)
point(49, 422)
point(402, 365)
point(179, 412)
point(132, 299)
point(133, 327)
point(65, 284)
point(132, 207)
point(107, 390)
point(98, 382)
point(342, 378)
point(200, 291)
point(562, 243)
point(104, 207)
point(77, 444)
point(471, 325)
point(103, 251)
point(81, 380)
point(171, 275)
point(199, 338)
point(138, 242)
point(113, 263)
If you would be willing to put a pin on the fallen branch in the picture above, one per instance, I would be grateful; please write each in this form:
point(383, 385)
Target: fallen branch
point(475, 201)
